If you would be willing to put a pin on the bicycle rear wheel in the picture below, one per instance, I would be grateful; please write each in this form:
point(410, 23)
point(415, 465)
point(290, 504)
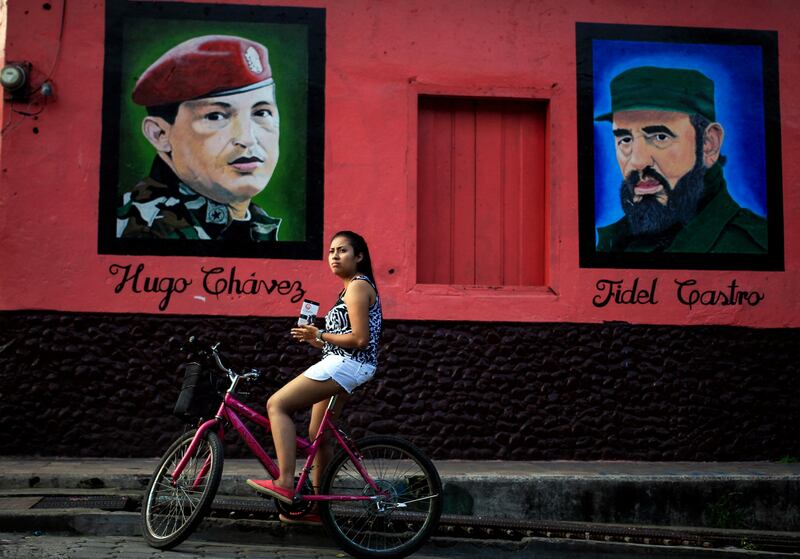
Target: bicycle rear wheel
point(395, 525)
point(172, 510)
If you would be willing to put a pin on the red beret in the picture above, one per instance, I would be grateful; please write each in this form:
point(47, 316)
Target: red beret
point(202, 67)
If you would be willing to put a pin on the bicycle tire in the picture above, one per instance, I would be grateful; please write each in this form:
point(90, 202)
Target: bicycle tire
point(170, 513)
point(410, 479)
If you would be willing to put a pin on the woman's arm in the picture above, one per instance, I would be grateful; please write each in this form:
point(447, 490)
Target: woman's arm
point(357, 298)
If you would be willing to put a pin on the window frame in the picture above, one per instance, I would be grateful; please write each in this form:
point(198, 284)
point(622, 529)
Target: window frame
point(549, 289)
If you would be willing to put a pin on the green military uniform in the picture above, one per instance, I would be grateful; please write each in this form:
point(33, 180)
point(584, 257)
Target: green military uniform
point(720, 226)
point(162, 207)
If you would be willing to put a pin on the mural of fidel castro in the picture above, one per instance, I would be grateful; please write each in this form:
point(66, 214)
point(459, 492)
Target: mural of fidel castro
point(673, 192)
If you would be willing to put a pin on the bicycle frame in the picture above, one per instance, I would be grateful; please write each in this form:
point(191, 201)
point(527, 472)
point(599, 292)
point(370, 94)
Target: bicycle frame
point(228, 412)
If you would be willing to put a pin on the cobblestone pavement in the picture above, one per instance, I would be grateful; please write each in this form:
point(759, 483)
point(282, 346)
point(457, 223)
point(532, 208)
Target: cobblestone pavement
point(19, 545)
point(26, 546)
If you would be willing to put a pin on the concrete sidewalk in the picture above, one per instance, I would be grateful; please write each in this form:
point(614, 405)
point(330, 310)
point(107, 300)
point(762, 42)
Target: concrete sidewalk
point(740, 495)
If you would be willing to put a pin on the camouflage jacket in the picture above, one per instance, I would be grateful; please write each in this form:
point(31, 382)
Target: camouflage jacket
point(721, 226)
point(162, 207)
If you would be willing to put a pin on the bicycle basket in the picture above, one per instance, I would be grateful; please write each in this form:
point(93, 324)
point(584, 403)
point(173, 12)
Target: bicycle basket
point(199, 395)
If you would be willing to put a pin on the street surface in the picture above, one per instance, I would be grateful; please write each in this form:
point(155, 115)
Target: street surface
point(54, 546)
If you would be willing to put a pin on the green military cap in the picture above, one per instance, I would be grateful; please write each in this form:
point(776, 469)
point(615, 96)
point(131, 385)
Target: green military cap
point(662, 89)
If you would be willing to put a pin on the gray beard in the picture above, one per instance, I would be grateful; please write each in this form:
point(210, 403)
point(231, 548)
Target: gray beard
point(649, 216)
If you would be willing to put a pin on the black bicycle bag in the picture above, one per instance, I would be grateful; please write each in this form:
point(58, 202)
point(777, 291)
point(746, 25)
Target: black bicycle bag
point(199, 398)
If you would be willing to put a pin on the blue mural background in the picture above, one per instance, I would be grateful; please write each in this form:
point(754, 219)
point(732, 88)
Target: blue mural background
point(737, 73)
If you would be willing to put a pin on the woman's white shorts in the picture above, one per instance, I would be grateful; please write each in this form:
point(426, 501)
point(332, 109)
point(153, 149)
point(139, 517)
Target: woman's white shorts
point(348, 373)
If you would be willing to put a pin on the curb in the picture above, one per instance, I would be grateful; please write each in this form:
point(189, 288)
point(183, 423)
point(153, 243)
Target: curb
point(753, 495)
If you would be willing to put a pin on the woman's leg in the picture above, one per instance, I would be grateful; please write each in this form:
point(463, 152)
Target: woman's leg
point(299, 393)
point(326, 448)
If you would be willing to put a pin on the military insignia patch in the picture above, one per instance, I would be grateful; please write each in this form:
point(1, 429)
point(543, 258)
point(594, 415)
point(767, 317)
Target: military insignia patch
point(253, 60)
point(216, 214)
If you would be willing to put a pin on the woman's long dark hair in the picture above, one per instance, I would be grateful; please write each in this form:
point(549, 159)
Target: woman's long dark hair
point(359, 247)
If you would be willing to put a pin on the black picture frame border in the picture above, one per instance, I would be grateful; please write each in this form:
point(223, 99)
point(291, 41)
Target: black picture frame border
point(117, 11)
point(589, 257)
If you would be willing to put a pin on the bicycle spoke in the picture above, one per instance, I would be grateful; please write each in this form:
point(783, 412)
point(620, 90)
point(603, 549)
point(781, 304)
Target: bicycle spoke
point(407, 506)
point(173, 507)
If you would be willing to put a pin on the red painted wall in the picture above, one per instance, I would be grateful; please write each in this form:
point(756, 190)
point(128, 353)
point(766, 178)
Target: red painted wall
point(380, 56)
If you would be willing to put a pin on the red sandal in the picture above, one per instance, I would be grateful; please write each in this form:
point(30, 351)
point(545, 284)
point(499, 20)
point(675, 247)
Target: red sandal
point(301, 520)
point(268, 487)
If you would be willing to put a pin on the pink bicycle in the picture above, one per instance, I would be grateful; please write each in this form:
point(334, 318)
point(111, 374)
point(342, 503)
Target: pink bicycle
point(380, 496)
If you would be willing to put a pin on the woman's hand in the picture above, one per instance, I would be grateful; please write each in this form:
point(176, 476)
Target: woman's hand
point(307, 334)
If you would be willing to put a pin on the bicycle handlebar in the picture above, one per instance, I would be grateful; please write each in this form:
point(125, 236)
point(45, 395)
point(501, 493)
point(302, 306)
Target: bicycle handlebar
point(232, 375)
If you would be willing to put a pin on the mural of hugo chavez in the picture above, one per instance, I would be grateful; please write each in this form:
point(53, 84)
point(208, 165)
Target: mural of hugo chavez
point(668, 148)
point(213, 120)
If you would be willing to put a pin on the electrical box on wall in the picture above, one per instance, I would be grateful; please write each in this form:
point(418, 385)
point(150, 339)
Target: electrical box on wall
point(16, 80)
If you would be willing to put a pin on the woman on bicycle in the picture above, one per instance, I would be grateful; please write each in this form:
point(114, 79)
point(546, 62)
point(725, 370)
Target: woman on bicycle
point(349, 344)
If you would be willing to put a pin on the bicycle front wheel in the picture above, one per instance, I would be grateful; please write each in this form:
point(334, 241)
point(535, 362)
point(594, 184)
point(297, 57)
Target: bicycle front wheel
point(407, 504)
point(172, 509)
